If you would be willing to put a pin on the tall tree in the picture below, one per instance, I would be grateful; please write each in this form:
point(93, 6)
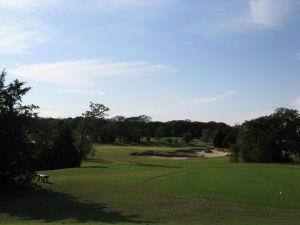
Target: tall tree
point(16, 148)
point(96, 111)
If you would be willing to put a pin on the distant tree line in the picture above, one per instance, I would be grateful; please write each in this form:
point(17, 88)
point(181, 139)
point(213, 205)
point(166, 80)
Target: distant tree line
point(274, 138)
point(29, 143)
point(141, 128)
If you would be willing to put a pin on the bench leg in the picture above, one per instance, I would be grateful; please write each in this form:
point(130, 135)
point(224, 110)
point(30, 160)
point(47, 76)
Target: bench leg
point(39, 178)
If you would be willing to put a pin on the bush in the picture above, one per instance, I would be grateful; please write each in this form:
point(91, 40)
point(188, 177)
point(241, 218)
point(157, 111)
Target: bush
point(55, 145)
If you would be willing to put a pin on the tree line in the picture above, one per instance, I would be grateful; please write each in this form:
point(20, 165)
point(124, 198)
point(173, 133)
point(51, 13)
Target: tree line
point(29, 143)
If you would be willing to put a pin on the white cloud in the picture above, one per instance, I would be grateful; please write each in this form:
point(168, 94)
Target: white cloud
point(81, 92)
point(85, 71)
point(296, 103)
point(269, 12)
point(206, 100)
point(256, 15)
point(20, 25)
point(18, 38)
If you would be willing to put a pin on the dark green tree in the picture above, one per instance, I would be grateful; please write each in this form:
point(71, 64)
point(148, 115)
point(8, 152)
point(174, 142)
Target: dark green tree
point(224, 137)
point(64, 152)
point(16, 148)
point(270, 138)
point(219, 138)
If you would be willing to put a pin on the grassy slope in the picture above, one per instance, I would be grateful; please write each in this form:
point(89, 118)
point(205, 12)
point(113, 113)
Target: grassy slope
point(117, 188)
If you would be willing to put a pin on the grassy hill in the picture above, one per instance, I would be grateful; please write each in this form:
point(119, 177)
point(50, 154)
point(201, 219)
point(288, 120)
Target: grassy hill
point(117, 188)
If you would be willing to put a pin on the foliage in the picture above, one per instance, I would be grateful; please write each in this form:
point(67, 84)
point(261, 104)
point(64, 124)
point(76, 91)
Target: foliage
point(219, 138)
point(170, 140)
point(207, 135)
point(231, 137)
point(96, 111)
point(16, 148)
point(55, 144)
point(133, 136)
point(187, 137)
point(159, 133)
point(108, 134)
point(134, 129)
point(224, 137)
point(270, 138)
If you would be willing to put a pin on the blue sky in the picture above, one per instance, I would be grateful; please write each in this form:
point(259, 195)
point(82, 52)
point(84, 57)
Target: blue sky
point(170, 59)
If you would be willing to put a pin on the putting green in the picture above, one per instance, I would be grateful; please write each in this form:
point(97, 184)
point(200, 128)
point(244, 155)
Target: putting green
point(255, 185)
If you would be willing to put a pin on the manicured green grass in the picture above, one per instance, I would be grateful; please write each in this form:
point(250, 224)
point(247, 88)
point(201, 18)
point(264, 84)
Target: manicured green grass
point(117, 188)
point(271, 186)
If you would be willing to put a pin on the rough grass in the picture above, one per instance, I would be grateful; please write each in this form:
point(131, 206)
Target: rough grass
point(117, 188)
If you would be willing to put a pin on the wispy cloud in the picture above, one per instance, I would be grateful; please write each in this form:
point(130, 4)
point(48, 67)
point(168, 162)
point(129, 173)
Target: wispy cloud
point(256, 15)
point(18, 38)
point(206, 100)
point(20, 25)
point(269, 12)
point(85, 71)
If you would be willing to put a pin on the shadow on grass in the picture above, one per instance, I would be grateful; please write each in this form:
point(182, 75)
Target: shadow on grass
point(49, 206)
point(149, 164)
point(98, 161)
point(94, 167)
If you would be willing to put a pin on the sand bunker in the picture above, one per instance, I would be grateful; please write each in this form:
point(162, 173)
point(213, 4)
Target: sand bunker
point(182, 154)
point(212, 153)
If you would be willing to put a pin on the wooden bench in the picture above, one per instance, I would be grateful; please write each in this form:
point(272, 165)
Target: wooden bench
point(43, 178)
